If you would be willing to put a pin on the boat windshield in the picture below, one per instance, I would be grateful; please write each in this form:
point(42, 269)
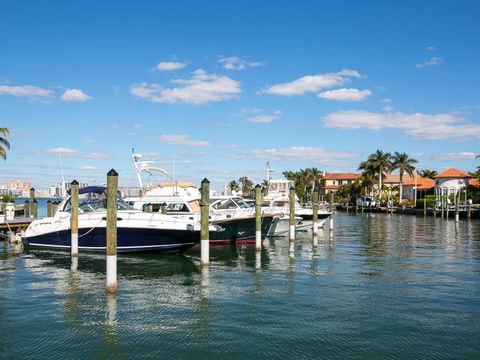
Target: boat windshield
point(95, 202)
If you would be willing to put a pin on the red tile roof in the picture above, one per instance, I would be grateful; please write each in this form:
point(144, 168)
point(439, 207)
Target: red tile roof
point(422, 183)
point(453, 173)
point(341, 176)
point(330, 187)
point(474, 183)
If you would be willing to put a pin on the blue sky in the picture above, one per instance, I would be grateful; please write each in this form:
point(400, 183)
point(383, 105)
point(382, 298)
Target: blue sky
point(223, 87)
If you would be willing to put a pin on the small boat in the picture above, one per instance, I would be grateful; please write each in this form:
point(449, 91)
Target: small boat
point(137, 231)
point(277, 200)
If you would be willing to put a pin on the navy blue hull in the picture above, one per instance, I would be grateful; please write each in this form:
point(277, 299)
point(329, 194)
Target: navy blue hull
point(128, 240)
point(321, 216)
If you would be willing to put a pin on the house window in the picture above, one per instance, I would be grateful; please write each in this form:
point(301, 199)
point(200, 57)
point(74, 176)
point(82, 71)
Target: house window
point(340, 182)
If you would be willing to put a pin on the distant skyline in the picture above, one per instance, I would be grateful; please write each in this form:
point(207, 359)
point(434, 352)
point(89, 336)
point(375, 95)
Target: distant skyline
point(223, 87)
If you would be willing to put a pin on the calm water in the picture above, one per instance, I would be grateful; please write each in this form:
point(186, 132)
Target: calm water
point(379, 287)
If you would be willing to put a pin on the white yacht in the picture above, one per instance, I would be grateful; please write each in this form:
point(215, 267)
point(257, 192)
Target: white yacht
point(137, 231)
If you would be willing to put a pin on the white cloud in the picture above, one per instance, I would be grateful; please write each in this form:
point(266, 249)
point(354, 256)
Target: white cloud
point(433, 61)
point(201, 88)
point(88, 168)
point(170, 65)
point(265, 118)
point(236, 156)
point(237, 63)
point(417, 125)
point(137, 125)
point(466, 155)
point(75, 95)
point(312, 83)
point(315, 155)
point(388, 108)
point(345, 94)
point(228, 146)
point(181, 140)
point(431, 48)
point(67, 152)
point(62, 150)
point(387, 100)
point(28, 91)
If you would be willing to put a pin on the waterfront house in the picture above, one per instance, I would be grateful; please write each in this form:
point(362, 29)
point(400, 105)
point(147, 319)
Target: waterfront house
point(451, 182)
point(423, 186)
point(330, 182)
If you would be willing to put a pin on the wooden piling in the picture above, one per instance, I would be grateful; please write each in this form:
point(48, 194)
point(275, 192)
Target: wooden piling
point(112, 195)
point(331, 209)
point(292, 214)
point(457, 207)
point(74, 218)
point(258, 217)
point(49, 208)
point(469, 212)
point(315, 213)
point(32, 194)
point(204, 222)
point(35, 208)
point(424, 206)
point(163, 208)
point(442, 207)
point(26, 209)
point(446, 207)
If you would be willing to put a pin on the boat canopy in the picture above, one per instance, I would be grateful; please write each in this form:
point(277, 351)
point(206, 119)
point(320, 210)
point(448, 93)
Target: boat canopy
point(90, 189)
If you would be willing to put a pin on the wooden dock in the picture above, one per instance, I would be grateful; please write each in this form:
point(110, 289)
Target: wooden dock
point(15, 225)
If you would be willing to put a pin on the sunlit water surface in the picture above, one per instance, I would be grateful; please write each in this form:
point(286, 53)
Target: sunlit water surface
point(377, 287)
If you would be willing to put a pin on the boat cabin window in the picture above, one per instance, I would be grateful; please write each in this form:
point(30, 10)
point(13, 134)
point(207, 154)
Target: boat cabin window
point(225, 204)
point(94, 202)
point(171, 207)
point(177, 207)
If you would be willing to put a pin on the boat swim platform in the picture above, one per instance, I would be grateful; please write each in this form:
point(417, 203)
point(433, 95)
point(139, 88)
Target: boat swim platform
point(15, 225)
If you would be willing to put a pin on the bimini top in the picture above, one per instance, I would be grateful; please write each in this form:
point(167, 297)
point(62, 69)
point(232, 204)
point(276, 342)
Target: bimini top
point(90, 189)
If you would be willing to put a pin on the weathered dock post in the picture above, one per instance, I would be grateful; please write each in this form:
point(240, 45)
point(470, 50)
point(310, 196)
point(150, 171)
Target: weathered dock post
point(163, 208)
point(258, 217)
point(26, 209)
point(112, 194)
point(204, 222)
point(49, 208)
point(74, 218)
point(54, 207)
point(446, 206)
point(331, 208)
point(442, 207)
point(457, 207)
point(469, 211)
point(292, 214)
point(424, 207)
point(35, 208)
point(315, 213)
point(32, 193)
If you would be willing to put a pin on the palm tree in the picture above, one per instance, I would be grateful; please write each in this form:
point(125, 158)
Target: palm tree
point(265, 185)
point(425, 173)
point(404, 164)
point(233, 185)
point(247, 185)
point(380, 162)
point(4, 144)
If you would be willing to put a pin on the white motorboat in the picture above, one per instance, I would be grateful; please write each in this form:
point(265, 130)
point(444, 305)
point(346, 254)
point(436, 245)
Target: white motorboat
point(137, 231)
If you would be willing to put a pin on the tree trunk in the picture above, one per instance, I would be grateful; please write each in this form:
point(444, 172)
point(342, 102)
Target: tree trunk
point(401, 186)
point(380, 186)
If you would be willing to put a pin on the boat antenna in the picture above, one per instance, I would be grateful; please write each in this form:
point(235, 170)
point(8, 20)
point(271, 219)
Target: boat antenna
point(135, 157)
